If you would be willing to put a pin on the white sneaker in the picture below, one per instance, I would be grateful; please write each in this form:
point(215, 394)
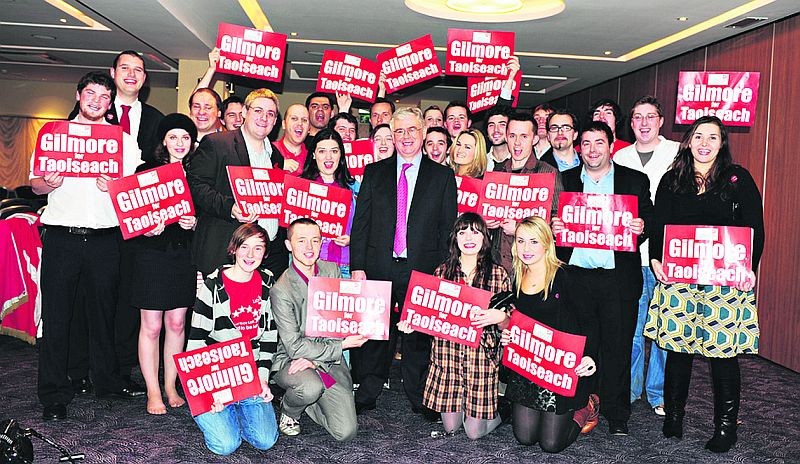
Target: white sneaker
point(289, 426)
point(659, 410)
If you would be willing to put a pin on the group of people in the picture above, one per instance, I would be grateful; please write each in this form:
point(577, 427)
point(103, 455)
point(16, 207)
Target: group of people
point(404, 218)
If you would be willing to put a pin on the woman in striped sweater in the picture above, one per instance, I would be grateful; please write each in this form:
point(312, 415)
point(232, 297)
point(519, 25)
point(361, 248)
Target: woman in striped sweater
point(233, 303)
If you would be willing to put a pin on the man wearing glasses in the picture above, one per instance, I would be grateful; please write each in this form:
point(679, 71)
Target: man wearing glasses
point(218, 215)
point(405, 210)
point(652, 154)
point(562, 130)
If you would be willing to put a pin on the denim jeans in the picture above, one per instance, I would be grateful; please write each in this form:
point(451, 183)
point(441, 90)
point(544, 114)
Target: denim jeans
point(654, 384)
point(251, 419)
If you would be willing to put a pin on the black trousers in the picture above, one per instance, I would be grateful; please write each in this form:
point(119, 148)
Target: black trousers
point(373, 360)
point(616, 318)
point(69, 263)
point(127, 320)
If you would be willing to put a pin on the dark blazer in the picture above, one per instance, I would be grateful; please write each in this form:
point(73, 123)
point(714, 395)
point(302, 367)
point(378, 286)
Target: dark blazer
point(627, 263)
point(148, 127)
point(430, 219)
point(213, 199)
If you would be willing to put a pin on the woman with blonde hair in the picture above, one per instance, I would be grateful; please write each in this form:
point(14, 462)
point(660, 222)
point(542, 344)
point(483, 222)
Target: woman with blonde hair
point(468, 154)
point(546, 293)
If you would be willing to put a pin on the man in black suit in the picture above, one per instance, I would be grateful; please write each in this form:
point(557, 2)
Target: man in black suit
point(386, 245)
point(613, 277)
point(218, 215)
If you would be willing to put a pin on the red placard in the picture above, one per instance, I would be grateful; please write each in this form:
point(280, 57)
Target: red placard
point(543, 355)
point(730, 96)
point(410, 63)
point(339, 308)
point(351, 74)
point(482, 93)
point(225, 372)
point(478, 53)
point(469, 194)
point(250, 52)
point(517, 196)
point(143, 200)
point(359, 154)
point(597, 220)
point(327, 204)
point(444, 309)
point(78, 150)
point(257, 190)
point(708, 255)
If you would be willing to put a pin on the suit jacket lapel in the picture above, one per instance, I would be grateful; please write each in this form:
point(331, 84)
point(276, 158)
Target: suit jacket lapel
point(241, 148)
point(420, 188)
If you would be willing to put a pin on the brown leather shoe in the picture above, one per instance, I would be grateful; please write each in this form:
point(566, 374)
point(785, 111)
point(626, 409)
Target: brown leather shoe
point(593, 417)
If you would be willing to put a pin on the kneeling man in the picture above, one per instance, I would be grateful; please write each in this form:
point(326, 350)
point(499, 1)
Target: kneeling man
point(311, 369)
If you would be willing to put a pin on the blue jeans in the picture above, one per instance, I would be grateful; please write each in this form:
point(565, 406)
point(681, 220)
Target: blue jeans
point(654, 384)
point(251, 419)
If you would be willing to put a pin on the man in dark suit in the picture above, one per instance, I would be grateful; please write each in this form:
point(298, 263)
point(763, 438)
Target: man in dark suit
point(613, 277)
point(218, 215)
point(404, 213)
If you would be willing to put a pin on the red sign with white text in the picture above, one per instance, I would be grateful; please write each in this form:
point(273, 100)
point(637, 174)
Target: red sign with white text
point(358, 154)
point(224, 372)
point(517, 196)
point(78, 150)
point(543, 355)
point(250, 52)
point(469, 194)
point(730, 96)
point(478, 53)
point(143, 200)
point(351, 74)
point(483, 93)
point(339, 308)
point(327, 204)
point(597, 220)
point(257, 190)
point(444, 309)
point(410, 63)
point(708, 255)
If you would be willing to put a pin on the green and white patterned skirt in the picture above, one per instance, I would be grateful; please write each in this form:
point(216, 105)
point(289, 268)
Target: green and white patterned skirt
point(716, 322)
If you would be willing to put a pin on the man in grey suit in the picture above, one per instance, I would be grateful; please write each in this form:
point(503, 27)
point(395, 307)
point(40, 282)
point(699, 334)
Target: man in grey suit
point(311, 369)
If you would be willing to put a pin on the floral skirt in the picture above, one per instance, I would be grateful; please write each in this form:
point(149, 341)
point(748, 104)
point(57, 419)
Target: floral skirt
point(713, 321)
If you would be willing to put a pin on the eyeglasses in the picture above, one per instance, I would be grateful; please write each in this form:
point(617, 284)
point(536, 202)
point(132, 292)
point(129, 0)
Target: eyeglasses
point(565, 128)
point(411, 131)
point(650, 117)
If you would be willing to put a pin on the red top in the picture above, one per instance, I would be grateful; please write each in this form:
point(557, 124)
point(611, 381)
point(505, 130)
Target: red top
point(245, 304)
point(300, 158)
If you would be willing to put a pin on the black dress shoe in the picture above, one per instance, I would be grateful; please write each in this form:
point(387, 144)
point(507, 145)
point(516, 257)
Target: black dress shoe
point(55, 411)
point(618, 428)
point(125, 393)
point(364, 407)
point(82, 386)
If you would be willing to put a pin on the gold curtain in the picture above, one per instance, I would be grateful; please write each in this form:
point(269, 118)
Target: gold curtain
point(17, 141)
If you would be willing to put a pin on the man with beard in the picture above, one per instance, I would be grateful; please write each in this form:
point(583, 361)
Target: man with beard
point(496, 124)
point(291, 145)
point(562, 130)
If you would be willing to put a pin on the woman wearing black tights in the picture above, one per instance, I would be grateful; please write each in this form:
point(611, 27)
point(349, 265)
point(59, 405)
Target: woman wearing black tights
point(546, 293)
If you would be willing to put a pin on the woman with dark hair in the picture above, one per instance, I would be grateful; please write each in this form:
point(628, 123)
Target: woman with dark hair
point(382, 142)
point(234, 302)
point(164, 280)
point(327, 165)
point(704, 187)
point(462, 381)
point(546, 293)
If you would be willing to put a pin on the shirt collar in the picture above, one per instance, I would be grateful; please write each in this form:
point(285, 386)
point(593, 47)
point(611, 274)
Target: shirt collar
point(415, 163)
point(301, 274)
point(585, 177)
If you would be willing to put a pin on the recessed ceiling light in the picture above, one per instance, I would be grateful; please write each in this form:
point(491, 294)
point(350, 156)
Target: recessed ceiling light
point(683, 19)
point(63, 20)
point(43, 37)
point(549, 66)
point(481, 11)
point(482, 7)
point(293, 34)
point(527, 84)
point(607, 52)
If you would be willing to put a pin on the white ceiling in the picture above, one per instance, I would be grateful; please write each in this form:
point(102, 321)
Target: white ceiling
point(169, 30)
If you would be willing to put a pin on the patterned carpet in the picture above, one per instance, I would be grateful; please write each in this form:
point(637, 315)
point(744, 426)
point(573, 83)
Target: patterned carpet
point(116, 431)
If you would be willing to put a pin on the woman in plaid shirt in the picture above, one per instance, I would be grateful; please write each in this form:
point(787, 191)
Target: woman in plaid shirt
point(462, 381)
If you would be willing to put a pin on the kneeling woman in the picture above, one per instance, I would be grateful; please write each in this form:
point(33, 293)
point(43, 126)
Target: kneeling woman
point(462, 381)
point(222, 313)
point(546, 293)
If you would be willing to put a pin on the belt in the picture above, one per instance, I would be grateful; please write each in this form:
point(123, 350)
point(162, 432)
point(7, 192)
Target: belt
point(84, 230)
point(399, 260)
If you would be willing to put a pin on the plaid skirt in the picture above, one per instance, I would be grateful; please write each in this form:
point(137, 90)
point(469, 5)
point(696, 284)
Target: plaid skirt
point(713, 321)
point(462, 378)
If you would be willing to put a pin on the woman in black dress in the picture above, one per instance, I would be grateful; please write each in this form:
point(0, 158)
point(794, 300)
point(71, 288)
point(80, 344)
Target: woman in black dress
point(164, 280)
point(704, 187)
point(546, 293)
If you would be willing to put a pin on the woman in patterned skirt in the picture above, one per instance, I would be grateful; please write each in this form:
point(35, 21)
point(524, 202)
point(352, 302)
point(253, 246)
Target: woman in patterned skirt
point(704, 187)
point(546, 293)
point(462, 381)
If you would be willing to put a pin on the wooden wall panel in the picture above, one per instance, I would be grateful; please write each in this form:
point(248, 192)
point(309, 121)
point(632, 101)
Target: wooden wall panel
point(608, 89)
point(779, 293)
point(578, 102)
point(631, 88)
point(667, 88)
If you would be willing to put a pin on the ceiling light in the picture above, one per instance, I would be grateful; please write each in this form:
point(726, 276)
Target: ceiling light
point(607, 52)
point(527, 84)
point(293, 34)
point(63, 20)
point(683, 19)
point(497, 11)
point(43, 37)
point(549, 66)
point(77, 14)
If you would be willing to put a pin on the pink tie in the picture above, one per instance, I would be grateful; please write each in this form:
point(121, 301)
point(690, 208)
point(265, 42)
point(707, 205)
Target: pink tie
point(402, 202)
point(125, 120)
